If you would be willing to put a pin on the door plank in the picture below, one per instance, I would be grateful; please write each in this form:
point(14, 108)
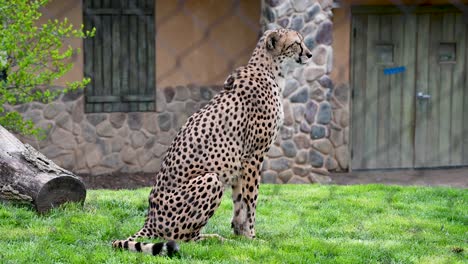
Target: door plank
point(88, 53)
point(116, 59)
point(358, 59)
point(394, 148)
point(422, 75)
point(383, 97)
point(465, 100)
point(106, 58)
point(432, 142)
point(456, 131)
point(370, 140)
point(408, 91)
point(446, 70)
point(142, 57)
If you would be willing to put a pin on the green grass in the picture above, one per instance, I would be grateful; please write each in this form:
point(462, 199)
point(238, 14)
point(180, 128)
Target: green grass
point(295, 224)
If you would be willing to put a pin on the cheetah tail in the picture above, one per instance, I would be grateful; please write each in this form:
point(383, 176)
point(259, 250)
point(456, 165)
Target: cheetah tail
point(170, 248)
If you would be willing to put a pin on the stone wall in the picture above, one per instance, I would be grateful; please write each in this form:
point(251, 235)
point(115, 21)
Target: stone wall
point(312, 142)
point(314, 138)
point(113, 143)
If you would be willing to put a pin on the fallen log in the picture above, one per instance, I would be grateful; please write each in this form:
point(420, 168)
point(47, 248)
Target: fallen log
point(27, 176)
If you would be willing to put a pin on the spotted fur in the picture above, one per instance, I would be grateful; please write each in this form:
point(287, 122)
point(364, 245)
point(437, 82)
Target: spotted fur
point(223, 144)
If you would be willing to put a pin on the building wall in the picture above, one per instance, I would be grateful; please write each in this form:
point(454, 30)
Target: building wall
point(206, 38)
point(307, 148)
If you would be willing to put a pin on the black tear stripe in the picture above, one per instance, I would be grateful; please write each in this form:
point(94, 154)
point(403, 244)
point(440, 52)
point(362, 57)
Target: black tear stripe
point(157, 248)
point(138, 246)
point(125, 245)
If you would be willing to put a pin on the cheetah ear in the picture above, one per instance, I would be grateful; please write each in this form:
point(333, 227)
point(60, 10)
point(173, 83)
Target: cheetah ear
point(272, 41)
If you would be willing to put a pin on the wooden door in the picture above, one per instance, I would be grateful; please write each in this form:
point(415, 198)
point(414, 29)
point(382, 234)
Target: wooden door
point(409, 89)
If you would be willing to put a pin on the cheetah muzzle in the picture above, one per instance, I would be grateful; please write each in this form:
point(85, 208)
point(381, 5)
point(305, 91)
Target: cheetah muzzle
point(223, 144)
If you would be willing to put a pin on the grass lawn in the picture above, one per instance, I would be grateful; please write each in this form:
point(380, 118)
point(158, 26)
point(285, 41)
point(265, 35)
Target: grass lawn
point(295, 224)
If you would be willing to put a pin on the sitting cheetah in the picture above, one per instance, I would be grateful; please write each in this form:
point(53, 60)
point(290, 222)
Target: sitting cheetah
point(223, 144)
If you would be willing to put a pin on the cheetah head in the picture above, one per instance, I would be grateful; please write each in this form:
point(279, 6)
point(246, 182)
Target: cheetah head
point(287, 43)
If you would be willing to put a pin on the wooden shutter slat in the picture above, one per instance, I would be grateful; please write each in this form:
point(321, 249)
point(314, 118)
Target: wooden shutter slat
point(102, 99)
point(137, 98)
point(113, 11)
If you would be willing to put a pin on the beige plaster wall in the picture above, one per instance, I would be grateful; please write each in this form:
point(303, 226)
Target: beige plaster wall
point(198, 42)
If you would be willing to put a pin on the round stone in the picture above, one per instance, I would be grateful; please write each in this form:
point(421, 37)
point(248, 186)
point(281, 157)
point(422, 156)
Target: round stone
point(286, 132)
point(312, 73)
point(301, 157)
point(135, 120)
point(290, 86)
point(298, 111)
point(104, 129)
point(128, 155)
point(302, 141)
point(269, 176)
point(138, 139)
point(300, 96)
point(280, 164)
point(288, 115)
point(274, 152)
point(205, 93)
point(53, 109)
point(326, 82)
point(310, 111)
point(331, 164)
point(341, 93)
point(298, 180)
point(181, 93)
point(72, 95)
point(164, 121)
point(323, 145)
point(284, 9)
point(111, 161)
point(297, 23)
point(342, 156)
point(325, 113)
point(310, 42)
point(317, 95)
point(117, 119)
point(304, 127)
point(289, 148)
point(317, 132)
point(286, 175)
point(284, 22)
point(311, 12)
point(315, 158)
point(319, 55)
point(268, 14)
point(324, 33)
point(95, 119)
point(169, 94)
point(273, 3)
point(301, 5)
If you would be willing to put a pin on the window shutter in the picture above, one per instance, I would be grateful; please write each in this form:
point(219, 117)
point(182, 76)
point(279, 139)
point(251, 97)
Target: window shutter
point(120, 58)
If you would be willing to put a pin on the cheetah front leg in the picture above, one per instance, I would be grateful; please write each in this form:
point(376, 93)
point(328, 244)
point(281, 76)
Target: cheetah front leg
point(244, 196)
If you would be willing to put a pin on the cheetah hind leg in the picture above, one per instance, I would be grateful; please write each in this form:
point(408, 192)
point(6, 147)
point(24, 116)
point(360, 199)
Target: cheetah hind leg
point(208, 193)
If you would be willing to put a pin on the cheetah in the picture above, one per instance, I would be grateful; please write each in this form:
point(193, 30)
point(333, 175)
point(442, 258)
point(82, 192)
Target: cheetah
point(221, 145)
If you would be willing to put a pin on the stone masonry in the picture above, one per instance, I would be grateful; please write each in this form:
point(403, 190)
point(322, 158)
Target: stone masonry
point(314, 138)
point(113, 143)
point(312, 142)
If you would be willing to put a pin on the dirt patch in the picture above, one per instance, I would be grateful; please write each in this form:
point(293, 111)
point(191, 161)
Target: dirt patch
point(457, 177)
point(429, 177)
point(118, 181)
